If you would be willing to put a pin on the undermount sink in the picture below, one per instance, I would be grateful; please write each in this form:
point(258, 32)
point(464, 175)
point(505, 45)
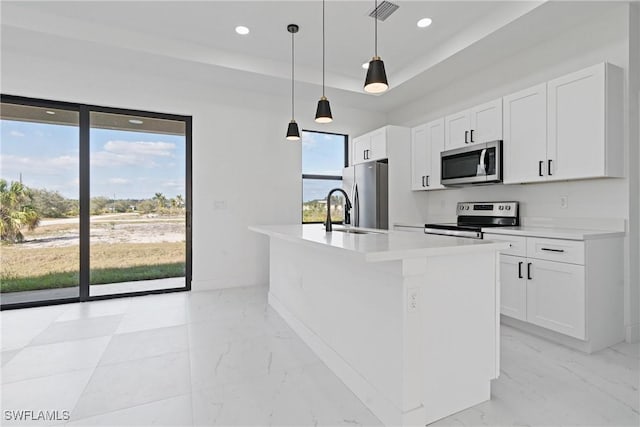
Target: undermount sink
point(352, 231)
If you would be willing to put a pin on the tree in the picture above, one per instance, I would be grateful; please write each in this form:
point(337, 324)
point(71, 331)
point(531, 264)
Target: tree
point(51, 204)
point(161, 201)
point(16, 211)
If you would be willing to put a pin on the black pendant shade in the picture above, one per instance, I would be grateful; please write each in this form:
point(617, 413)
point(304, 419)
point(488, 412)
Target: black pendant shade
point(376, 81)
point(293, 133)
point(323, 112)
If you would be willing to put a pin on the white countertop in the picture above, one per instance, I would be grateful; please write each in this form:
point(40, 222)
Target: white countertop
point(554, 233)
point(381, 246)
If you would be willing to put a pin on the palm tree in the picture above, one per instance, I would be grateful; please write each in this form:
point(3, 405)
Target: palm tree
point(16, 211)
point(161, 201)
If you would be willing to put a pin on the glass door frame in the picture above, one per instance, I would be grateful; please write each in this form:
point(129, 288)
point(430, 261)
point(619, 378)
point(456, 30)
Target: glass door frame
point(84, 195)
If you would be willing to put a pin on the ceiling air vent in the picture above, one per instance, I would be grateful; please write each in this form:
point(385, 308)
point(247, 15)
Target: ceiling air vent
point(385, 9)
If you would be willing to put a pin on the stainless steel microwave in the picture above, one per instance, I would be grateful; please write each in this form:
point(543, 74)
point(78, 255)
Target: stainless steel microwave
point(472, 164)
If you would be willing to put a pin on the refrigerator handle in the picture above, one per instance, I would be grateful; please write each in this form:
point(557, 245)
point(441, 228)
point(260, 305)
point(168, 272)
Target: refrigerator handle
point(356, 205)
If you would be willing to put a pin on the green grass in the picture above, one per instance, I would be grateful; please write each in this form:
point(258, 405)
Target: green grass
point(98, 277)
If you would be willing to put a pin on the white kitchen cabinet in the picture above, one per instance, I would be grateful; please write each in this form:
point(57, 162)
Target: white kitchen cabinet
point(556, 296)
point(427, 142)
point(567, 287)
point(481, 123)
point(370, 146)
point(513, 287)
point(486, 122)
point(525, 135)
point(585, 132)
point(568, 128)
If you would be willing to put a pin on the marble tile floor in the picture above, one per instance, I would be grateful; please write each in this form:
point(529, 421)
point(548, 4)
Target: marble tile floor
point(225, 358)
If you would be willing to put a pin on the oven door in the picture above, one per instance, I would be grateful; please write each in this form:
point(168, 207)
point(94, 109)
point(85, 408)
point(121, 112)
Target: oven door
point(475, 164)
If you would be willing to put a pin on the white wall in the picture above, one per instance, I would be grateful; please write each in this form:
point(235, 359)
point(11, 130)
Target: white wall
point(603, 39)
point(240, 156)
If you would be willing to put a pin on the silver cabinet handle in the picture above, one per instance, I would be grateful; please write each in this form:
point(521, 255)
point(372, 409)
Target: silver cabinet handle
point(552, 250)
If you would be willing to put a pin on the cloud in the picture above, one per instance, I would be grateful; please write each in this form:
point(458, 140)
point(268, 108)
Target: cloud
point(38, 165)
point(126, 153)
point(176, 184)
point(118, 181)
point(16, 133)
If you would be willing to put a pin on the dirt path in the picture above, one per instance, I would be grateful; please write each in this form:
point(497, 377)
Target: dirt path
point(107, 229)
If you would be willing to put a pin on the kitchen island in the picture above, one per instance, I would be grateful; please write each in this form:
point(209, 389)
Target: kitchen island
point(409, 322)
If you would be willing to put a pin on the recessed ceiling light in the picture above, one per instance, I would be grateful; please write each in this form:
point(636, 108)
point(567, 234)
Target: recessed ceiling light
point(242, 30)
point(50, 112)
point(365, 65)
point(424, 22)
point(135, 121)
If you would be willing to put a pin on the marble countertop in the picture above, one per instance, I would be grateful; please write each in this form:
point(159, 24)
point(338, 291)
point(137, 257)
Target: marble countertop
point(554, 232)
point(380, 246)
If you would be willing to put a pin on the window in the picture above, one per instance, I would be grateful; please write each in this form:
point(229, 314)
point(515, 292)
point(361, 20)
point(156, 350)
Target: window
point(97, 202)
point(323, 157)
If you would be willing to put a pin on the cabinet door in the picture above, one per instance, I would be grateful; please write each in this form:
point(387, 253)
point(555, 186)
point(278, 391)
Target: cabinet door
point(513, 287)
point(419, 157)
point(525, 135)
point(457, 126)
point(435, 138)
point(361, 149)
point(576, 134)
point(486, 122)
point(556, 296)
point(378, 144)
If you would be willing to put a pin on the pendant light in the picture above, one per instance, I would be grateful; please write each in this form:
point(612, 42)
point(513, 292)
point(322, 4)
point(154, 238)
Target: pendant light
point(323, 112)
point(376, 81)
point(293, 133)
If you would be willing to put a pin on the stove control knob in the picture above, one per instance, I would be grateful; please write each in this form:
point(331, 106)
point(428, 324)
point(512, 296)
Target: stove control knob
point(508, 208)
point(501, 207)
point(467, 207)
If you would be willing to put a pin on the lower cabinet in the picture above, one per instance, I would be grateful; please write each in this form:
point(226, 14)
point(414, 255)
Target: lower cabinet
point(571, 287)
point(513, 287)
point(556, 296)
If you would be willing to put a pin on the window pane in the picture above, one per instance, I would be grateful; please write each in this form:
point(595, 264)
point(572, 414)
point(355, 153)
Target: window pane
point(314, 200)
point(322, 153)
point(39, 192)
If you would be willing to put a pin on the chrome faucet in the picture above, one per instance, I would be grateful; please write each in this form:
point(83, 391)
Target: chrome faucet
point(347, 209)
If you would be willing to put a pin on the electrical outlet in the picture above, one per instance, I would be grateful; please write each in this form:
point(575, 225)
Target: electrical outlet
point(564, 202)
point(413, 300)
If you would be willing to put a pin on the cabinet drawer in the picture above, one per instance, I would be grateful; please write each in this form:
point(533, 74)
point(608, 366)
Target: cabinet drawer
point(518, 246)
point(556, 250)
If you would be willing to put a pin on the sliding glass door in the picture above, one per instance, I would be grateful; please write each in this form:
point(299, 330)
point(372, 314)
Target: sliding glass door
point(39, 204)
point(95, 202)
point(138, 212)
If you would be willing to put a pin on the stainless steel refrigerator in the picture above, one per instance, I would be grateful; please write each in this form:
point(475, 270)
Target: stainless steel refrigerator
point(368, 187)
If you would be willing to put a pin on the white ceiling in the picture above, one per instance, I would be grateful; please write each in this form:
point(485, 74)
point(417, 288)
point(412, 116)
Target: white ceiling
point(199, 36)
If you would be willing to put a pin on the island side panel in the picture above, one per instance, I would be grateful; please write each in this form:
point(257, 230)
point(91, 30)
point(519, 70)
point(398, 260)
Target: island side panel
point(451, 332)
point(350, 313)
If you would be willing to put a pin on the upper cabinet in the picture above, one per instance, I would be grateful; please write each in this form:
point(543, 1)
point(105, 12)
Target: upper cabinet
point(525, 135)
point(482, 123)
point(427, 142)
point(585, 128)
point(370, 146)
point(568, 128)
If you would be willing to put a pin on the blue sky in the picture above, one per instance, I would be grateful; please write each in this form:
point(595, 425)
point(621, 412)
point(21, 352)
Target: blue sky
point(132, 165)
point(322, 154)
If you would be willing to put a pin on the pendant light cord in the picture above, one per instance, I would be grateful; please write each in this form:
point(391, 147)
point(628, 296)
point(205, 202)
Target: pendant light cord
point(323, 48)
point(292, 78)
point(375, 38)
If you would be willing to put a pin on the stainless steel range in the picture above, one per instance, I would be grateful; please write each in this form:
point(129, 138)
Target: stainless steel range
point(473, 216)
